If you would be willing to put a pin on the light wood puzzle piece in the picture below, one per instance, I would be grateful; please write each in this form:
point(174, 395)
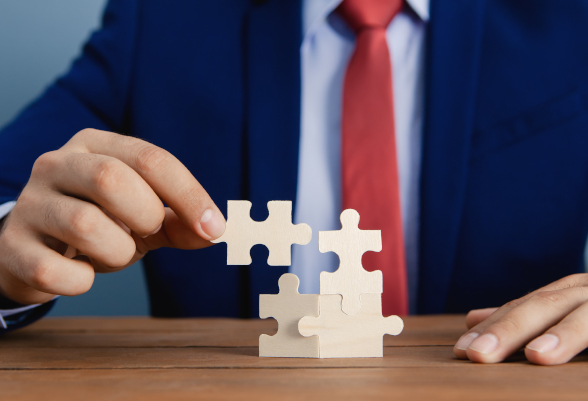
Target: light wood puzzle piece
point(351, 336)
point(351, 279)
point(288, 307)
point(277, 233)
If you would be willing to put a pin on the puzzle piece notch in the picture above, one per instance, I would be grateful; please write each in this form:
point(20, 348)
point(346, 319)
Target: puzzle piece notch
point(277, 233)
point(350, 279)
point(351, 336)
point(288, 307)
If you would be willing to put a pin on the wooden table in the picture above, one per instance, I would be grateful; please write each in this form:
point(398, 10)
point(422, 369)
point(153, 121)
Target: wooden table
point(188, 359)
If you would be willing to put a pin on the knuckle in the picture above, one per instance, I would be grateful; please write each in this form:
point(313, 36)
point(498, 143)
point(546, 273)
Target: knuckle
point(25, 200)
point(43, 274)
point(572, 280)
point(108, 176)
point(10, 242)
point(45, 162)
point(83, 221)
point(578, 279)
point(551, 298)
point(150, 157)
point(85, 133)
point(509, 325)
point(514, 303)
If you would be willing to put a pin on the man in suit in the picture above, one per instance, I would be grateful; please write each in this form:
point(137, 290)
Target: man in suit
point(457, 127)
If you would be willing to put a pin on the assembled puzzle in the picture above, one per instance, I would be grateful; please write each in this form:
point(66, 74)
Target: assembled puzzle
point(345, 320)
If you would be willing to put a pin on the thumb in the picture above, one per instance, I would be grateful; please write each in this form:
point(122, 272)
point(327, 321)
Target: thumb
point(173, 234)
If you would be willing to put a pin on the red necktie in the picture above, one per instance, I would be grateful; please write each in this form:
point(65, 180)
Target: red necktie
point(368, 147)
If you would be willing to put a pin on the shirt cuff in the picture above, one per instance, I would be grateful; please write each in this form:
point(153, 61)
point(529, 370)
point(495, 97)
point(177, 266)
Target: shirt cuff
point(23, 318)
point(10, 308)
point(5, 208)
point(11, 312)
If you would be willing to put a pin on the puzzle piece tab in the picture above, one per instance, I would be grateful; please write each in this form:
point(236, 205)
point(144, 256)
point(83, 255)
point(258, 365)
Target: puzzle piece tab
point(277, 233)
point(288, 307)
point(351, 336)
point(351, 279)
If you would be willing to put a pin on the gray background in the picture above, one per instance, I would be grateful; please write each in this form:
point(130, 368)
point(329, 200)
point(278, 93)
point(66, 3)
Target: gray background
point(38, 41)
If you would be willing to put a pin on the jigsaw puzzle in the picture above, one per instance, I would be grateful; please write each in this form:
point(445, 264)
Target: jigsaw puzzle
point(345, 320)
point(288, 307)
point(351, 279)
point(277, 233)
point(351, 336)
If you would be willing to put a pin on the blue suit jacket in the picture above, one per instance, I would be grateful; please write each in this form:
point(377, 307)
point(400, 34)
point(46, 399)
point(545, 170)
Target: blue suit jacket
point(505, 157)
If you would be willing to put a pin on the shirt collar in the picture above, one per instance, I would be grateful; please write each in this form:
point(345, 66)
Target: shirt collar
point(315, 12)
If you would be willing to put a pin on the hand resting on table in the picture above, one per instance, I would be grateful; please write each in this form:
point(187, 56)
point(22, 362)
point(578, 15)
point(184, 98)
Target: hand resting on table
point(551, 323)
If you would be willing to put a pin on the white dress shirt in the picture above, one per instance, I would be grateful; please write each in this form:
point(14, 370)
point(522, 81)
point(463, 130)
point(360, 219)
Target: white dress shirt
point(326, 49)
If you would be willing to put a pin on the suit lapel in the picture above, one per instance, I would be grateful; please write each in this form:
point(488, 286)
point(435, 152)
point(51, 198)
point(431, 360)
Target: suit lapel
point(272, 77)
point(453, 53)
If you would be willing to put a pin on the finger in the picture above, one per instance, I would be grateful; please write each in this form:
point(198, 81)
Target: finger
point(83, 226)
point(465, 340)
point(168, 177)
point(461, 346)
point(173, 234)
point(524, 323)
point(111, 184)
point(477, 316)
point(44, 270)
point(563, 341)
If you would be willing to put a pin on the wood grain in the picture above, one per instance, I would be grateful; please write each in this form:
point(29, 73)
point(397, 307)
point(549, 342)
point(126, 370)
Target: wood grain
point(491, 383)
point(216, 359)
point(142, 332)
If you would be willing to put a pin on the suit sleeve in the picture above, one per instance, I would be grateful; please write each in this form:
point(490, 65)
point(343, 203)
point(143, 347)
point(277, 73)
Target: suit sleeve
point(16, 316)
point(94, 93)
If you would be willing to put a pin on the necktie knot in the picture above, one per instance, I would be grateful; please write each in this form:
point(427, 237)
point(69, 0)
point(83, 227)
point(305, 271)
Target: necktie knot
point(366, 14)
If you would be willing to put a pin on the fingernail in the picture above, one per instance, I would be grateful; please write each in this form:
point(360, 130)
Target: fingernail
point(465, 341)
point(545, 343)
point(486, 344)
point(154, 232)
point(212, 223)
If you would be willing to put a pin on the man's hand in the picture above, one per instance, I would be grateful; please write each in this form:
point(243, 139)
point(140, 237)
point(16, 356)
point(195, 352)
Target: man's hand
point(551, 322)
point(95, 205)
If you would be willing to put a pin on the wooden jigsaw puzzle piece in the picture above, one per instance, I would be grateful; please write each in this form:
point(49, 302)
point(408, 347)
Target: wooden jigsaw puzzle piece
point(277, 233)
point(350, 279)
point(237, 233)
point(281, 233)
point(351, 336)
point(288, 307)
